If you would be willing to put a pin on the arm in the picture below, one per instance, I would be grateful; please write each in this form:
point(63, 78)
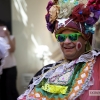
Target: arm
point(11, 42)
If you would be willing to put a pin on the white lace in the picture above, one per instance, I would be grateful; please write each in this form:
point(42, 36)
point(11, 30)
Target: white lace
point(87, 84)
point(82, 58)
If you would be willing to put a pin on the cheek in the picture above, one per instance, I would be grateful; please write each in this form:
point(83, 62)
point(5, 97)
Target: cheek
point(61, 45)
point(78, 46)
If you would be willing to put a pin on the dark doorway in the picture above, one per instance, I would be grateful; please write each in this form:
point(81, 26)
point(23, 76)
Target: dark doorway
point(5, 13)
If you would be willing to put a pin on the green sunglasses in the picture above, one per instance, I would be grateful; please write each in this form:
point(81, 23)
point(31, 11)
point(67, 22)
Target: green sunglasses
point(72, 37)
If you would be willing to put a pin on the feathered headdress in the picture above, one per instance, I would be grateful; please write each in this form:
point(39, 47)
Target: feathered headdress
point(80, 15)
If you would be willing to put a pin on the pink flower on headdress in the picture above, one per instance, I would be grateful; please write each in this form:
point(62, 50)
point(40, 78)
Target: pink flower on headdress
point(80, 13)
point(94, 3)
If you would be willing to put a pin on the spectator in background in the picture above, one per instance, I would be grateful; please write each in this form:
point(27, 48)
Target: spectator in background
point(3, 53)
point(9, 75)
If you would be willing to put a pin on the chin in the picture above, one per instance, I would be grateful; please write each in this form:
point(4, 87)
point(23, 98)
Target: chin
point(69, 51)
point(70, 55)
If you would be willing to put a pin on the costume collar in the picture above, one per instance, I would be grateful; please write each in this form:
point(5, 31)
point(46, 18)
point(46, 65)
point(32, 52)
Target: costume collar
point(89, 56)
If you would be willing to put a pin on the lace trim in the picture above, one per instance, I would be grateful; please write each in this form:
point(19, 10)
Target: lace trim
point(83, 58)
point(86, 73)
point(37, 95)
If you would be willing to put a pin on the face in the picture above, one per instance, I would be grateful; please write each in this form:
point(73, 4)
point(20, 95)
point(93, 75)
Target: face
point(72, 49)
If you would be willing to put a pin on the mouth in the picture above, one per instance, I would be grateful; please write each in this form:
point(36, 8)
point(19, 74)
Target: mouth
point(69, 47)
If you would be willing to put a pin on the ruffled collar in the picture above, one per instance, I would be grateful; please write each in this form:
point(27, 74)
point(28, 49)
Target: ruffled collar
point(86, 57)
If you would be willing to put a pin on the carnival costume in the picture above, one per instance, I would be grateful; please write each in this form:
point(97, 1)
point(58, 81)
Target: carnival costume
point(69, 80)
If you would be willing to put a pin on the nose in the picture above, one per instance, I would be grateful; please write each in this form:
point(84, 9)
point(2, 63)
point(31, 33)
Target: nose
point(67, 40)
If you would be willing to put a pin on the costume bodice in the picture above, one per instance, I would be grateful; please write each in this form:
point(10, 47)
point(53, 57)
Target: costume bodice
point(66, 81)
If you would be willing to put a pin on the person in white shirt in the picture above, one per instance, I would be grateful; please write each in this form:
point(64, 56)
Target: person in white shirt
point(9, 75)
point(3, 53)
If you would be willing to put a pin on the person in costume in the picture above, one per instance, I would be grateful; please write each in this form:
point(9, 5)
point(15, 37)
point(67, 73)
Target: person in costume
point(74, 77)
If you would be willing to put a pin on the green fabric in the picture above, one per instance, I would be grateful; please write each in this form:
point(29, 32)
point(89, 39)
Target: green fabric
point(77, 70)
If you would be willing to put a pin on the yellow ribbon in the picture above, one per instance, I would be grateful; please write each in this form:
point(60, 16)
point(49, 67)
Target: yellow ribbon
point(55, 88)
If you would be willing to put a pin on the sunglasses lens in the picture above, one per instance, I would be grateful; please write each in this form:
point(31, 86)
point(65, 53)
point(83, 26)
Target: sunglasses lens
point(73, 37)
point(61, 37)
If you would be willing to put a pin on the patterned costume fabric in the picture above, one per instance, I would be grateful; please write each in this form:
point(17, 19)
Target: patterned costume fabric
point(67, 81)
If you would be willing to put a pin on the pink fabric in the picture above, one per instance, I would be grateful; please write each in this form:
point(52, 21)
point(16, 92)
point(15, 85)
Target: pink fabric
point(96, 86)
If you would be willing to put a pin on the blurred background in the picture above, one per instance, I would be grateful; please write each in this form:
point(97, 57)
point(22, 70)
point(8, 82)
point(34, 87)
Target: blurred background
point(35, 45)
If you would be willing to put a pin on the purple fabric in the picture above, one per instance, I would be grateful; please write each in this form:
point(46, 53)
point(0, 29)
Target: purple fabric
point(95, 18)
point(50, 26)
point(47, 16)
point(50, 4)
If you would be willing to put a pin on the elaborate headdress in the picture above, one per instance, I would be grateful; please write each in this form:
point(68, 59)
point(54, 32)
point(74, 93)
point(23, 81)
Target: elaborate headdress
point(79, 15)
